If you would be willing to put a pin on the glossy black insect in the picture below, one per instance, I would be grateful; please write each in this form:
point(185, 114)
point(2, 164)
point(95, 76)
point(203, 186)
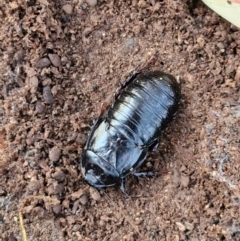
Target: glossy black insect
point(121, 138)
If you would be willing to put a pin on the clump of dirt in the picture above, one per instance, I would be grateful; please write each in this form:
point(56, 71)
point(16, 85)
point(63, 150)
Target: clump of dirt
point(59, 61)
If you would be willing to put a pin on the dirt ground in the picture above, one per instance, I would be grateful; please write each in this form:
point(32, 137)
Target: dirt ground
point(59, 61)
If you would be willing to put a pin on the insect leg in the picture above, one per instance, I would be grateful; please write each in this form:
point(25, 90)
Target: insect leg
point(154, 145)
point(144, 174)
point(122, 187)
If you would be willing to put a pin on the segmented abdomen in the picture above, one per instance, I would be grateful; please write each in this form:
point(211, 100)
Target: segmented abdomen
point(145, 107)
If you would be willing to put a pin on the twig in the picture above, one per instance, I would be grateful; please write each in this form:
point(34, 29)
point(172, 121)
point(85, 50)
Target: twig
point(24, 234)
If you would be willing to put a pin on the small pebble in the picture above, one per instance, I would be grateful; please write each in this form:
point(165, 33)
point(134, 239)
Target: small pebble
point(77, 227)
point(58, 175)
point(149, 165)
point(75, 206)
point(71, 219)
point(201, 41)
point(87, 31)
point(65, 203)
point(1, 218)
point(38, 211)
point(102, 223)
point(57, 208)
point(72, 136)
point(77, 194)
point(55, 59)
point(39, 107)
point(91, 2)
point(46, 82)
point(67, 8)
point(230, 69)
point(47, 95)
point(33, 84)
point(54, 154)
point(81, 139)
point(230, 82)
point(55, 188)
point(83, 199)
point(94, 194)
point(184, 181)
point(50, 45)
point(42, 63)
point(34, 186)
point(83, 6)
point(181, 226)
point(176, 177)
point(19, 56)
point(237, 76)
point(31, 72)
point(189, 226)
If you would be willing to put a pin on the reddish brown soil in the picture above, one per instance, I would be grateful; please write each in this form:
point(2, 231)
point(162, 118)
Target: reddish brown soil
point(59, 61)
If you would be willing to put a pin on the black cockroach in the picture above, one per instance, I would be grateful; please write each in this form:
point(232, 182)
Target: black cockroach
point(121, 138)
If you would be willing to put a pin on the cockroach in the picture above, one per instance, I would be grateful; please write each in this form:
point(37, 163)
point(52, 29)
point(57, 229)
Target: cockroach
point(120, 139)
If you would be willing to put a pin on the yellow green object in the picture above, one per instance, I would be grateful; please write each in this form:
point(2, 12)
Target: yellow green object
point(228, 9)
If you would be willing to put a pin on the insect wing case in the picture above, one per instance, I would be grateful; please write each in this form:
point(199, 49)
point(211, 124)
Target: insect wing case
point(145, 107)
